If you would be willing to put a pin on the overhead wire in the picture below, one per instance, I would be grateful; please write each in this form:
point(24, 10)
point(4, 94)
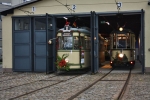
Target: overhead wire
point(85, 4)
point(69, 9)
point(26, 12)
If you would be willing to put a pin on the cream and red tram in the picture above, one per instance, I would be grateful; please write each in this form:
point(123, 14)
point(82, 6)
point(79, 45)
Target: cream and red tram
point(122, 48)
point(76, 43)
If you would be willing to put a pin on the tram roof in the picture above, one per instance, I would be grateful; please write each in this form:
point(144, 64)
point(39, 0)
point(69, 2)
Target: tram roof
point(122, 32)
point(82, 30)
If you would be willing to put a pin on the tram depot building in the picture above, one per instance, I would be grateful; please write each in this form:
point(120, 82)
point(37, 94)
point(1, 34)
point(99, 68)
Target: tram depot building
point(27, 28)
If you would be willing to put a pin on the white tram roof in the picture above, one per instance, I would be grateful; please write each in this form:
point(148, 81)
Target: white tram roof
point(82, 30)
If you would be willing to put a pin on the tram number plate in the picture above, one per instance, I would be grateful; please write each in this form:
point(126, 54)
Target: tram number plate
point(66, 34)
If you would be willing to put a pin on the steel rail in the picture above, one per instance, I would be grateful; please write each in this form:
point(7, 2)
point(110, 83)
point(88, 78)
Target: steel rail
point(120, 96)
point(25, 83)
point(44, 87)
point(5, 75)
point(81, 91)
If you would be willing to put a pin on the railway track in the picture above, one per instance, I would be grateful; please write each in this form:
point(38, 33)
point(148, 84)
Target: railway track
point(27, 76)
point(25, 84)
point(118, 95)
point(81, 91)
point(8, 74)
point(56, 83)
point(49, 79)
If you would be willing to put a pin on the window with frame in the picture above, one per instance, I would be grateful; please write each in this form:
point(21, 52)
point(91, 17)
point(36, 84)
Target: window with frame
point(87, 42)
point(22, 24)
point(82, 42)
point(40, 24)
point(67, 42)
point(76, 42)
point(123, 41)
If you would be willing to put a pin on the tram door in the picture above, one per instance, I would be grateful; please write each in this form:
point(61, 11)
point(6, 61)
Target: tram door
point(94, 43)
point(50, 48)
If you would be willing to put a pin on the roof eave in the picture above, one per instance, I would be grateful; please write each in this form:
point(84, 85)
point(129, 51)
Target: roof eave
point(11, 10)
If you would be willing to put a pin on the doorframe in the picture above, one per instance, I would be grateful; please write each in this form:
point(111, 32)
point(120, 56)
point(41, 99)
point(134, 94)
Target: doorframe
point(142, 13)
point(88, 15)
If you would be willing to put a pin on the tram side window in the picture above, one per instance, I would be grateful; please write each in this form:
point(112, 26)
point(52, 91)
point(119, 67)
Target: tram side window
point(76, 42)
point(60, 43)
point(87, 43)
point(128, 42)
point(82, 43)
point(114, 40)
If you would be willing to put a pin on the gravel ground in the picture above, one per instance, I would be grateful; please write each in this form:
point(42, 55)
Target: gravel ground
point(138, 88)
point(68, 85)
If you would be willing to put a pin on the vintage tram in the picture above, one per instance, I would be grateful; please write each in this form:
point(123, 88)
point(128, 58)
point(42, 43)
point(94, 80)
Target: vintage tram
point(122, 50)
point(76, 43)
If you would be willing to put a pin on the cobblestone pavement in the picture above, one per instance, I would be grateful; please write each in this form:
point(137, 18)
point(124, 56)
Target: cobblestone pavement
point(39, 86)
point(138, 88)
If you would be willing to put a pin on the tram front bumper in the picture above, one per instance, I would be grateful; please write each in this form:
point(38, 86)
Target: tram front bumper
point(129, 63)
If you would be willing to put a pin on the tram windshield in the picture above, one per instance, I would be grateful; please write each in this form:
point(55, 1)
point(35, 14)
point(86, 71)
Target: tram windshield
point(122, 41)
point(73, 42)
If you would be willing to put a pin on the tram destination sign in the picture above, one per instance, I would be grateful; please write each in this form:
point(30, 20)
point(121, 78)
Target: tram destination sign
point(67, 34)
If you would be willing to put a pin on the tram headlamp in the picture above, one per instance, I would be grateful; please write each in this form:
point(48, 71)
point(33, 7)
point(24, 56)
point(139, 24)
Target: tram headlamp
point(67, 60)
point(121, 29)
point(50, 42)
point(120, 55)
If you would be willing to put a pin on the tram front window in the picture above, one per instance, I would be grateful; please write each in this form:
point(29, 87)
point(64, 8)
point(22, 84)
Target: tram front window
point(67, 44)
point(121, 42)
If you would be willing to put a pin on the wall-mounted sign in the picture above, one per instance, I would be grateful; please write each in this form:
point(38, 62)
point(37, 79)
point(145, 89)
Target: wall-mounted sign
point(33, 9)
point(119, 4)
point(73, 7)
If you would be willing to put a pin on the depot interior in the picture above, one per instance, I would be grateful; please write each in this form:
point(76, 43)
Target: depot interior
point(106, 24)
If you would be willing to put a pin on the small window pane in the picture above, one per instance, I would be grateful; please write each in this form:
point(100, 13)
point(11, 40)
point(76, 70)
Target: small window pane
point(22, 24)
point(40, 24)
point(68, 42)
point(128, 42)
point(82, 43)
point(60, 43)
point(76, 42)
point(87, 43)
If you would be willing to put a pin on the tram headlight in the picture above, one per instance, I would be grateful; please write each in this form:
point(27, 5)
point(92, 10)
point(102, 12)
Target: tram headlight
point(67, 60)
point(120, 55)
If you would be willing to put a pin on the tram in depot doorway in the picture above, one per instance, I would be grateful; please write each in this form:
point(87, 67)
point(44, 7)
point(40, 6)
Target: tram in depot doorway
point(73, 48)
point(122, 50)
